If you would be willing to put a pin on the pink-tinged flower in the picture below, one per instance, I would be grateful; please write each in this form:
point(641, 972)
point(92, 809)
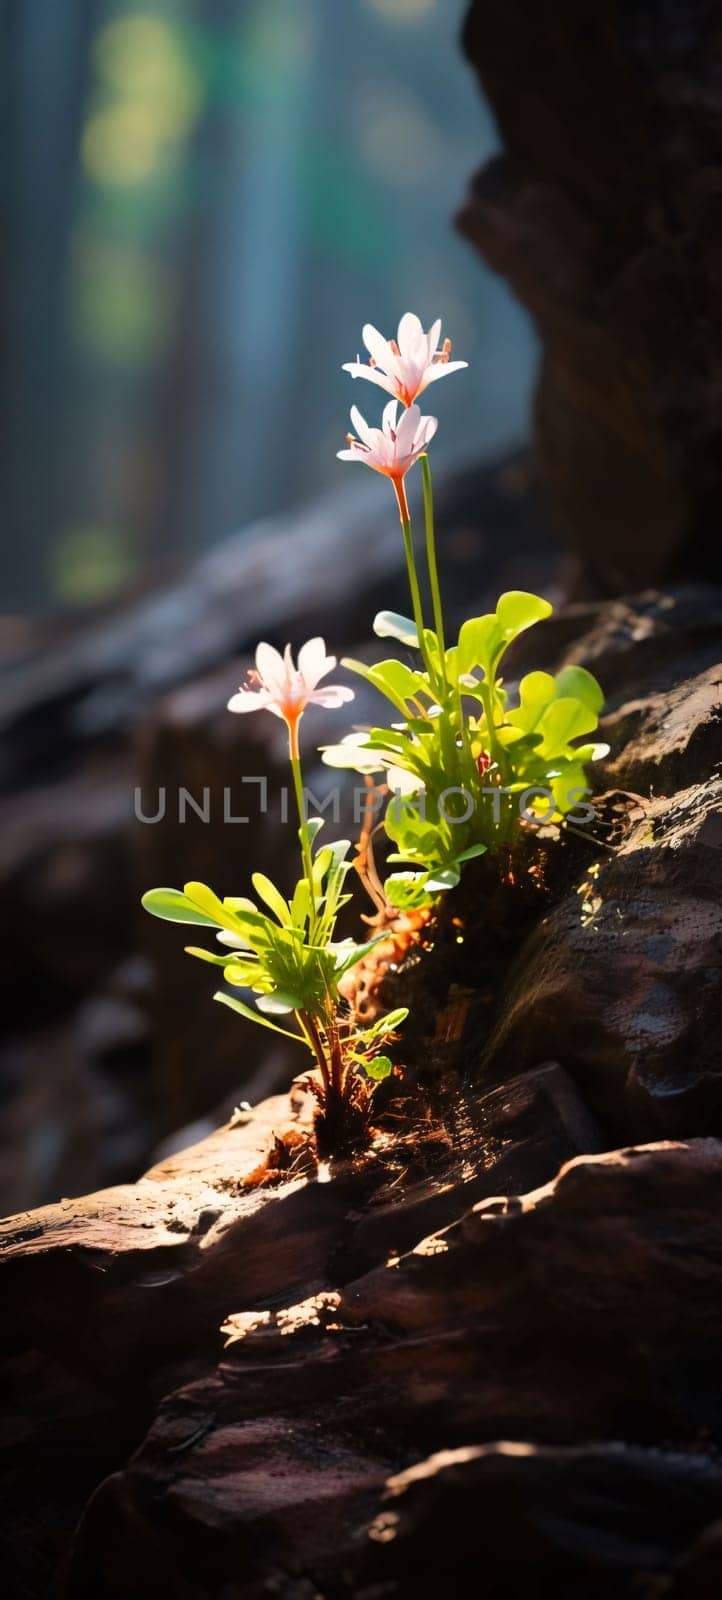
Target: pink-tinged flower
point(405, 366)
point(277, 685)
point(393, 448)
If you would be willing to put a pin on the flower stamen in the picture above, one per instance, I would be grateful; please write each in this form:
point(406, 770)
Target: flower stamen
point(404, 366)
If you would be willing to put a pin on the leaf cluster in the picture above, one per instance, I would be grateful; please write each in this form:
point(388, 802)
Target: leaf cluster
point(464, 750)
point(282, 951)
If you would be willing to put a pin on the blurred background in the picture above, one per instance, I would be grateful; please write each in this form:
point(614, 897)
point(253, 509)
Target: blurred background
point(203, 201)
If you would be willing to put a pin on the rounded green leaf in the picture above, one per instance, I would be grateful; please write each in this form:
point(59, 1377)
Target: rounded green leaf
point(398, 680)
point(577, 684)
point(562, 721)
point(172, 906)
point(536, 692)
point(379, 1068)
point(478, 640)
point(517, 610)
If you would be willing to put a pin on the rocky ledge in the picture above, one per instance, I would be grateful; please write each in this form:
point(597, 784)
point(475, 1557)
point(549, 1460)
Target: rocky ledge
point(485, 1352)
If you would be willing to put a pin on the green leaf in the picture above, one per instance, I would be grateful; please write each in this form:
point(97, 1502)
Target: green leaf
point(379, 1068)
point(509, 736)
point(172, 906)
point(482, 640)
point(517, 610)
point(385, 1025)
point(407, 890)
point(279, 1002)
point(452, 664)
point(204, 898)
point(301, 909)
point(564, 720)
point(478, 640)
point(398, 681)
point(255, 1016)
point(471, 854)
point(390, 678)
point(271, 897)
point(321, 865)
point(347, 958)
point(443, 878)
point(431, 646)
point(389, 625)
point(388, 740)
point(247, 975)
point(570, 781)
point(577, 684)
point(536, 692)
point(352, 755)
point(235, 958)
point(251, 923)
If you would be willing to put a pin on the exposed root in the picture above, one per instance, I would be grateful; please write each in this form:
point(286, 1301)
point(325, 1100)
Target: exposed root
point(343, 1118)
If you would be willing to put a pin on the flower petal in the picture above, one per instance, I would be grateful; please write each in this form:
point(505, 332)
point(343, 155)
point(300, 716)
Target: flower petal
point(388, 421)
point(426, 432)
point(408, 333)
point(433, 336)
point(440, 369)
point(332, 695)
point(361, 427)
point(406, 431)
point(270, 666)
point(313, 663)
point(377, 345)
point(358, 369)
point(248, 700)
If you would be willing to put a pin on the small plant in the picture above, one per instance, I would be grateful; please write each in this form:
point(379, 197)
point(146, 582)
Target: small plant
point(283, 951)
point(467, 767)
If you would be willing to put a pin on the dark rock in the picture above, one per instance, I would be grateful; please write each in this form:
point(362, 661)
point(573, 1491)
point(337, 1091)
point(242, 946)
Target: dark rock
point(624, 976)
point(188, 1228)
point(604, 213)
point(120, 1296)
point(597, 1520)
point(589, 1310)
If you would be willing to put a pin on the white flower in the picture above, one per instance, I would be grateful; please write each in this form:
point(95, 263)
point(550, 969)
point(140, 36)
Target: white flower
point(277, 685)
point(395, 446)
point(405, 366)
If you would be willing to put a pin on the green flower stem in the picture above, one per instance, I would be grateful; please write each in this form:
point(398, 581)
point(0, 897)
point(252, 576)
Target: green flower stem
point(408, 537)
point(303, 833)
point(433, 568)
point(445, 695)
point(431, 562)
point(415, 592)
